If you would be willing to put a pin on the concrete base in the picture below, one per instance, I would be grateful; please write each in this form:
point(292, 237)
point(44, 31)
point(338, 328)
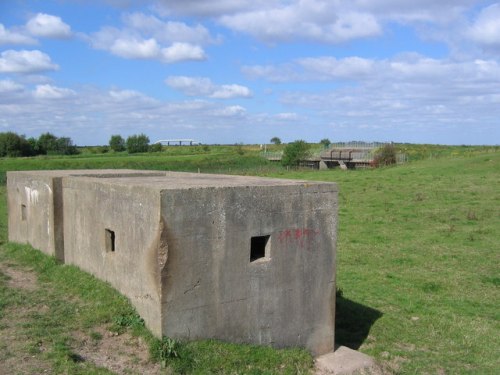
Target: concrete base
point(345, 361)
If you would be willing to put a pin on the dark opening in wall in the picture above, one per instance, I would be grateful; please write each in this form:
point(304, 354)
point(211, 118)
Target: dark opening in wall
point(110, 240)
point(23, 212)
point(259, 248)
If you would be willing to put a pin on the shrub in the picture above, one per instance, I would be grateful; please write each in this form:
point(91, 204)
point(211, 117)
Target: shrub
point(295, 152)
point(155, 147)
point(137, 143)
point(239, 149)
point(386, 155)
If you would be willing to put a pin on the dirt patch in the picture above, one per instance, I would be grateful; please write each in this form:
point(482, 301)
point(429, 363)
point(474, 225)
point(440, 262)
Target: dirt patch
point(21, 354)
point(17, 354)
point(122, 354)
point(19, 278)
point(16, 359)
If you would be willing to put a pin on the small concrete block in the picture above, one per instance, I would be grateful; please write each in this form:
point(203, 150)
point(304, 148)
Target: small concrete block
point(344, 361)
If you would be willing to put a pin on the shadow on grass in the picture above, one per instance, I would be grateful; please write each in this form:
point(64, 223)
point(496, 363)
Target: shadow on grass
point(353, 322)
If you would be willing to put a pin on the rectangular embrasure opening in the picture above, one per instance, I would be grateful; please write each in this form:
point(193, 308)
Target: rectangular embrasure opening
point(110, 240)
point(259, 248)
point(23, 212)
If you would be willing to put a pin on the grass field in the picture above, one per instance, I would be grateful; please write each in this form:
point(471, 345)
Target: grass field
point(418, 268)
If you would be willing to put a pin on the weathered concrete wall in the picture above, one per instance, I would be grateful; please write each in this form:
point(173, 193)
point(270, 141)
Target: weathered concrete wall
point(242, 259)
point(34, 212)
point(36, 207)
point(213, 289)
point(93, 210)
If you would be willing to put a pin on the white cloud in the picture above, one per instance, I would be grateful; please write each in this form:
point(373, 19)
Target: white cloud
point(486, 28)
point(135, 48)
point(52, 92)
point(412, 94)
point(404, 68)
point(400, 100)
point(408, 11)
point(231, 91)
point(202, 86)
point(326, 21)
point(422, 10)
point(307, 19)
point(331, 67)
point(24, 61)
point(230, 111)
point(167, 32)
point(203, 8)
point(182, 52)
point(288, 116)
point(90, 116)
point(313, 68)
point(48, 26)
point(192, 86)
point(8, 86)
point(129, 44)
point(14, 37)
point(274, 73)
point(129, 96)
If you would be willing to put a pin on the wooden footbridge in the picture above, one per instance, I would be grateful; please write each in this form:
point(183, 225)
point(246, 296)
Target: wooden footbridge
point(343, 155)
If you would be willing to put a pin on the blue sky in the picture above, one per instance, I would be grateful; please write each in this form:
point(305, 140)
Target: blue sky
point(232, 71)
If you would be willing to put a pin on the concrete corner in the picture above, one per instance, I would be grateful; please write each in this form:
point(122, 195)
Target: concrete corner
point(345, 361)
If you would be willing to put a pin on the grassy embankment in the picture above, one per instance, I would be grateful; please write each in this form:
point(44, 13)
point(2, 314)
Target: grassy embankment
point(418, 256)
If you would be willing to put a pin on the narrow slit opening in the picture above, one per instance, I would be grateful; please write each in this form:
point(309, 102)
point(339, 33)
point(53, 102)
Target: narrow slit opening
point(110, 240)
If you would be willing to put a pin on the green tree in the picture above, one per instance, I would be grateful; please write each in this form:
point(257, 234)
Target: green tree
point(276, 140)
point(65, 146)
point(47, 144)
point(137, 143)
point(117, 143)
point(33, 142)
point(325, 142)
point(295, 152)
point(12, 144)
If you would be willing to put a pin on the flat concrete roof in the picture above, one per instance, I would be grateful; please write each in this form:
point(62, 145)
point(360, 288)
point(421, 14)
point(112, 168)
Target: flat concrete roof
point(166, 180)
point(89, 172)
point(185, 180)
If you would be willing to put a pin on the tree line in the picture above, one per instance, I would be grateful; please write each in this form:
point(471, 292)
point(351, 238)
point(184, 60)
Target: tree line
point(134, 144)
point(13, 145)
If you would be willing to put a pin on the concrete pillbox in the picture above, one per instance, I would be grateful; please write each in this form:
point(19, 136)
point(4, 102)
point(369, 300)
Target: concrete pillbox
point(242, 259)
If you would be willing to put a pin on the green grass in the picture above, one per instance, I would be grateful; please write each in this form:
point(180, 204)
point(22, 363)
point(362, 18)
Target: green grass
point(418, 254)
point(217, 159)
point(72, 300)
point(420, 244)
